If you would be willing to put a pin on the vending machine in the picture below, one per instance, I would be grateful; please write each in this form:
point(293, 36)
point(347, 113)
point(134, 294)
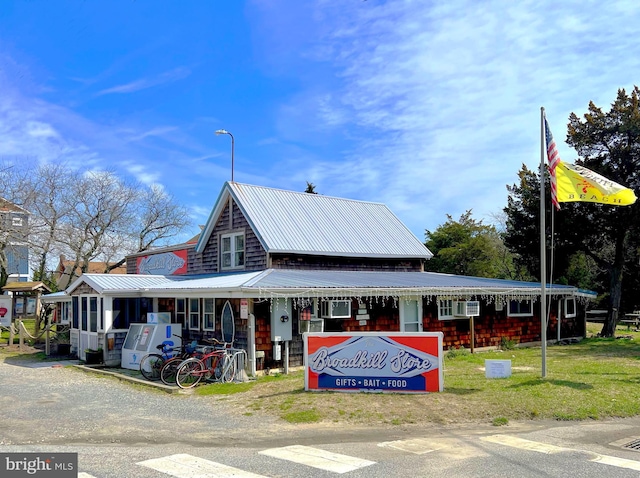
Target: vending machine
point(142, 339)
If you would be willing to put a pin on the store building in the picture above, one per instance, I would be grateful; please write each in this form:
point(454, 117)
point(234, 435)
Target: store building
point(272, 264)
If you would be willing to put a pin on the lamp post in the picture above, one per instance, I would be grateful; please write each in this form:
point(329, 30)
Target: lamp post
point(224, 131)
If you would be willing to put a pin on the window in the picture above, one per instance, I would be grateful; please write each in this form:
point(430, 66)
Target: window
point(93, 314)
point(75, 311)
point(209, 315)
point(308, 320)
point(569, 307)
point(232, 251)
point(65, 312)
point(194, 314)
point(84, 313)
point(311, 325)
point(129, 310)
point(16, 221)
point(520, 308)
point(335, 309)
point(445, 309)
point(181, 311)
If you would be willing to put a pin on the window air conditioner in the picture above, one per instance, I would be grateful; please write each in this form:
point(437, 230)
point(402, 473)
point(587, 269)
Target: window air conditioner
point(466, 308)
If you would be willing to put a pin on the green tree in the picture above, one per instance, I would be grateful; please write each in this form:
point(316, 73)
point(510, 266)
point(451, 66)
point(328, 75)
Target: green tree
point(468, 247)
point(595, 245)
point(609, 143)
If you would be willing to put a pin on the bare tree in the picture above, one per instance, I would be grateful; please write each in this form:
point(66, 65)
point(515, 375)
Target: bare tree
point(158, 218)
point(48, 188)
point(87, 216)
point(100, 208)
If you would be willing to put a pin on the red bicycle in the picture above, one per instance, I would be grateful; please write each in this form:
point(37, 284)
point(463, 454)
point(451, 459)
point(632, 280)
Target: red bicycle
point(212, 364)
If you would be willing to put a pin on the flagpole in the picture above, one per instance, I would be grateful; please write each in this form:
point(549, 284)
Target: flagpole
point(543, 253)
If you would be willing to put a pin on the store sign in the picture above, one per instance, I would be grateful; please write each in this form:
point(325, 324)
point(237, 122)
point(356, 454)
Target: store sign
point(166, 263)
point(5, 311)
point(374, 362)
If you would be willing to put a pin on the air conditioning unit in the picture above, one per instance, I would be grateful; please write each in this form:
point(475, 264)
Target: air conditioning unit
point(466, 308)
point(335, 309)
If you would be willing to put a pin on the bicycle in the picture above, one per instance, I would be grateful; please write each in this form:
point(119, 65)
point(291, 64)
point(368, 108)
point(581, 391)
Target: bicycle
point(170, 367)
point(213, 363)
point(151, 364)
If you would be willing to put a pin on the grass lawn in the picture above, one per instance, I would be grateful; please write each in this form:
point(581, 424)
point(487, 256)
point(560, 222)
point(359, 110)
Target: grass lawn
point(30, 325)
point(594, 379)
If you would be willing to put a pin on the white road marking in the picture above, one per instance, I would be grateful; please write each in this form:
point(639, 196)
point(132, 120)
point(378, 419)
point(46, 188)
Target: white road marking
point(316, 458)
point(419, 446)
point(523, 444)
point(188, 466)
point(82, 474)
point(619, 462)
point(545, 448)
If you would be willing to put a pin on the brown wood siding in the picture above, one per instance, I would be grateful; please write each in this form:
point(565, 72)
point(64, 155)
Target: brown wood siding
point(84, 289)
point(255, 256)
point(309, 262)
point(207, 262)
point(489, 329)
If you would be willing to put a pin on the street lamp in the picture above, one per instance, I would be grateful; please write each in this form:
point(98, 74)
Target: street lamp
point(224, 131)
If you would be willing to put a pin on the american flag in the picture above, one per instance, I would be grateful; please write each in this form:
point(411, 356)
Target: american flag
point(554, 158)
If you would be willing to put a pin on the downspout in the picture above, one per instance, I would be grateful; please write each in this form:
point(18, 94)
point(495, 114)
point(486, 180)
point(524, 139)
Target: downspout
point(251, 343)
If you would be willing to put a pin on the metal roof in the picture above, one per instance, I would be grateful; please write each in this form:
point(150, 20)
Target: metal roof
point(221, 281)
point(315, 283)
point(302, 223)
point(396, 283)
point(119, 282)
point(55, 297)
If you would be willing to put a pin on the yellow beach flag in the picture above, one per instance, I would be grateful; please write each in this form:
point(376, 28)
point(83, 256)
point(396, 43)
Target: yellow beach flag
point(576, 183)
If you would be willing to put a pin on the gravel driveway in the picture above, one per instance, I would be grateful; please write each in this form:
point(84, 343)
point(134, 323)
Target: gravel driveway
point(64, 405)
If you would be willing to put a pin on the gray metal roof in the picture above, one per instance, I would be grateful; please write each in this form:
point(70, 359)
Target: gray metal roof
point(119, 282)
point(222, 281)
point(314, 283)
point(398, 283)
point(55, 297)
point(302, 223)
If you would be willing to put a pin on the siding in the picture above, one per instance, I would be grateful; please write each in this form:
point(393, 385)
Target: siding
point(255, 255)
point(292, 261)
point(84, 289)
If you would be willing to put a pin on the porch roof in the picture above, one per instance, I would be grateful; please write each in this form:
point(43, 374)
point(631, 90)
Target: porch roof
point(272, 283)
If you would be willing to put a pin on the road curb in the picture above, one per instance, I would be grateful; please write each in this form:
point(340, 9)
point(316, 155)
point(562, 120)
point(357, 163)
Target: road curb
point(125, 378)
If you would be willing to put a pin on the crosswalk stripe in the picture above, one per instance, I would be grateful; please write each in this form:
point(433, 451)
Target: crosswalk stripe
point(418, 446)
point(545, 448)
point(82, 474)
point(619, 462)
point(188, 466)
point(523, 444)
point(316, 458)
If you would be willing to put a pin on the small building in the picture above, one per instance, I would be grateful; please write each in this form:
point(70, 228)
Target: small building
point(14, 222)
point(68, 270)
point(271, 264)
point(26, 297)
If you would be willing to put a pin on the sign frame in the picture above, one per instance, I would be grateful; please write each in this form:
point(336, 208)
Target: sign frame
point(387, 362)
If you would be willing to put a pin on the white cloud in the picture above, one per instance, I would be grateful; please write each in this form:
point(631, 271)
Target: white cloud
point(144, 83)
point(441, 103)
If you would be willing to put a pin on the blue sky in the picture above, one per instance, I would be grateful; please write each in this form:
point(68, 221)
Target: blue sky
point(428, 107)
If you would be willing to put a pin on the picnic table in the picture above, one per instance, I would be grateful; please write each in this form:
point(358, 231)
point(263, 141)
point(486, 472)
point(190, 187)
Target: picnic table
point(630, 319)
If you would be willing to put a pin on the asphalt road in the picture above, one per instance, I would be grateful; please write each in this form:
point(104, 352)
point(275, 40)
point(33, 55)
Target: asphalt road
point(122, 430)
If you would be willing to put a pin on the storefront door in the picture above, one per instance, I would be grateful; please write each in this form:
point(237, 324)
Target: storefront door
point(410, 315)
